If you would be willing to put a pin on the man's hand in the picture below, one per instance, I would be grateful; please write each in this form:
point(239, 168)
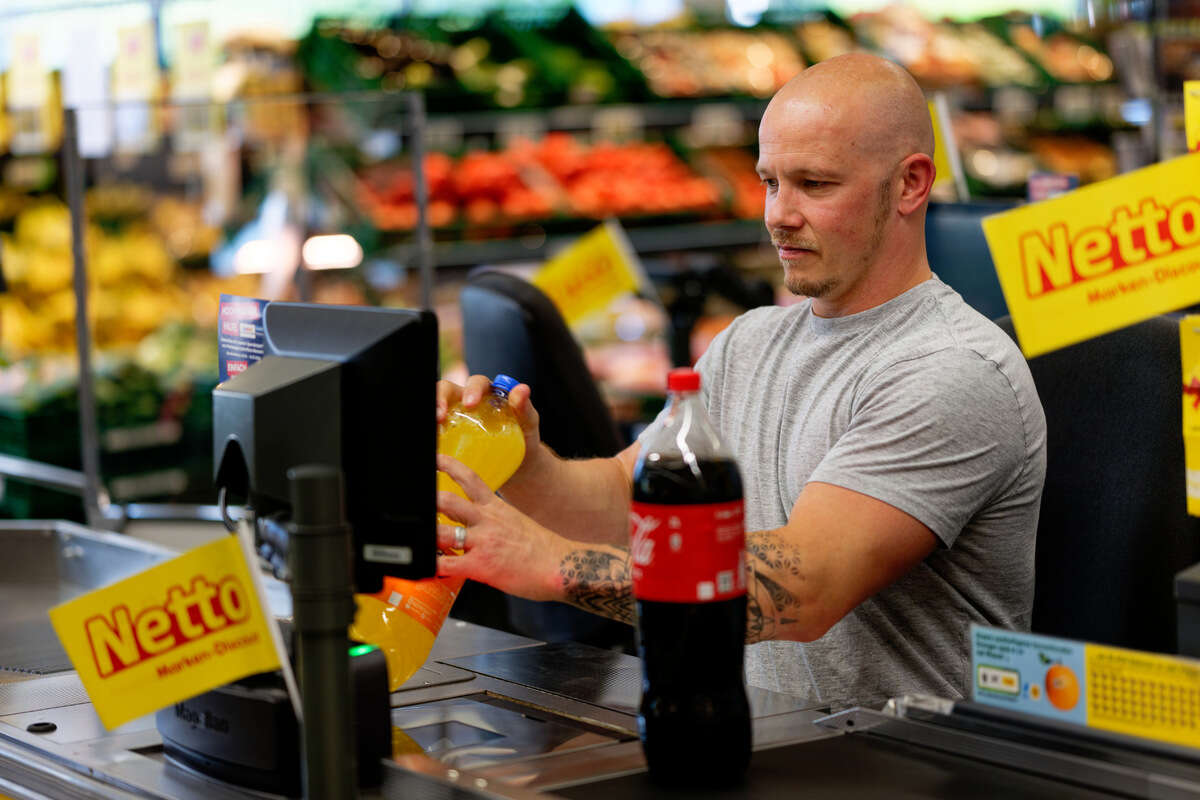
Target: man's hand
point(478, 387)
point(504, 548)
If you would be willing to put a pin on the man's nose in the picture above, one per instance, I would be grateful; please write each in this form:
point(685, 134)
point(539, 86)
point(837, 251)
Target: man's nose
point(782, 211)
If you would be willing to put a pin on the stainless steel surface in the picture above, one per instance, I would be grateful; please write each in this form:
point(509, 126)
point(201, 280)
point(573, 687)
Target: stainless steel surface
point(604, 678)
point(39, 474)
point(416, 776)
point(47, 563)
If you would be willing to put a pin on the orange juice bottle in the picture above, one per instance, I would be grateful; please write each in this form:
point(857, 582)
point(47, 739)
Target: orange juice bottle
point(404, 617)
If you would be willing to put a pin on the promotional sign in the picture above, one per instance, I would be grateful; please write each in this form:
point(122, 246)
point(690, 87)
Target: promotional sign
point(1189, 350)
point(135, 69)
point(168, 633)
point(591, 273)
point(1108, 688)
point(241, 340)
point(28, 81)
point(1101, 257)
point(947, 162)
point(193, 63)
point(1191, 114)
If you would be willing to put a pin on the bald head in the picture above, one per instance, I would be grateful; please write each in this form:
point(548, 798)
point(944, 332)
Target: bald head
point(872, 102)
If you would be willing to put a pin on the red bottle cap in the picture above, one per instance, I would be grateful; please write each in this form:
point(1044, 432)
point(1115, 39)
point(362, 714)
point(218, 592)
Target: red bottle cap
point(683, 379)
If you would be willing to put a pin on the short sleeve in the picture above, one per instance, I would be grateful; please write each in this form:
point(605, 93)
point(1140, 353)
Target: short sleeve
point(935, 436)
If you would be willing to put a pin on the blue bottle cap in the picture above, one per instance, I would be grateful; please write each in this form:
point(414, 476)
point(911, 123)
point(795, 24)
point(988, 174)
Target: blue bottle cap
point(505, 383)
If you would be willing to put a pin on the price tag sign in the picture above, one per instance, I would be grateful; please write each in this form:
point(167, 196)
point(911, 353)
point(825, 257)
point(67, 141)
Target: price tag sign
point(947, 161)
point(1130, 692)
point(1189, 351)
point(618, 124)
point(1191, 114)
point(1101, 257)
point(28, 81)
point(515, 127)
point(135, 70)
point(192, 66)
point(716, 125)
point(587, 276)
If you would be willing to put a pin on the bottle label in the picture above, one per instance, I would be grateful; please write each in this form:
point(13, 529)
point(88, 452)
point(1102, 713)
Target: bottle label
point(427, 601)
point(688, 553)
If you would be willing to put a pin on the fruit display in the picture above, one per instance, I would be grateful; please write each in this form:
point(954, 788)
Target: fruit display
point(822, 39)
point(940, 54)
point(1066, 58)
point(609, 179)
point(495, 62)
point(710, 63)
point(735, 167)
point(558, 175)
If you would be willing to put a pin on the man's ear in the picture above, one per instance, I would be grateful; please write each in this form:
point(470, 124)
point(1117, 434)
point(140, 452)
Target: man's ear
point(916, 179)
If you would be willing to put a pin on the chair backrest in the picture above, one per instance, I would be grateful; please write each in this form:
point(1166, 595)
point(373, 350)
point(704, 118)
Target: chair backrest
point(1114, 527)
point(959, 254)
point(510, 326)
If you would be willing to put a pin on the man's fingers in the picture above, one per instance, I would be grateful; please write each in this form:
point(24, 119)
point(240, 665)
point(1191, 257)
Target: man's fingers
point(447, 395)
point(453, 566)
point(519, 400)
point(458, 509)
point(476, 387)
point(465, 477)
point(445, 538)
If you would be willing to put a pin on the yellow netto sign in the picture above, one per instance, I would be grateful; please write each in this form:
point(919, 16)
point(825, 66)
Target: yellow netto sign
point(168, 633)
point(1101, 257)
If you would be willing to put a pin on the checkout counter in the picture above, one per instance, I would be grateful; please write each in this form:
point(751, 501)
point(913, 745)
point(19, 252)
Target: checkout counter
point(497, 715)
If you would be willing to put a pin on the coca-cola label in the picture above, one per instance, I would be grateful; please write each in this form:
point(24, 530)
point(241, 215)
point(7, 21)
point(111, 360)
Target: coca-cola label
point(688, 553)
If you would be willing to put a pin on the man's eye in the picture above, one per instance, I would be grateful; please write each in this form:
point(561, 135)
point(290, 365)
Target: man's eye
point(814, 184)
point(770, 183)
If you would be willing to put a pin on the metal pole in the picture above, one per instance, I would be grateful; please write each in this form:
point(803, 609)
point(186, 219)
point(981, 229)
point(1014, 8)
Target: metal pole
point(323, 605)
point(416, 111)
point(93, 498)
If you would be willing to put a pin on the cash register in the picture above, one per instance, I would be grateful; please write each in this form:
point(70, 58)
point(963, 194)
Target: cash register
point(352, 389)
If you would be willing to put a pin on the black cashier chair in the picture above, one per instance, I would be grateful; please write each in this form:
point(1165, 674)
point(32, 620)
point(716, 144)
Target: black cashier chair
point(511, 327)
point(1114, 527)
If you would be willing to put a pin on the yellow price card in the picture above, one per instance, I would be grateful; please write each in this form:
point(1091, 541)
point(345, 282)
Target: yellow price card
point(166, 634)
point(1191, 114)
point(591, 273)
point(1101, 257)
point(1189, 350)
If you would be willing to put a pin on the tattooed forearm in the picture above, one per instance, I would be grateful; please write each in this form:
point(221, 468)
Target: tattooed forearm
point(598, 581)
point(769, 605)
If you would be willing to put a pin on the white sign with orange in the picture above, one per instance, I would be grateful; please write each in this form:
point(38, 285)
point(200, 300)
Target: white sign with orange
point(1109, 688)
point(168, 633)
point(1101, 257)
point(583, 279)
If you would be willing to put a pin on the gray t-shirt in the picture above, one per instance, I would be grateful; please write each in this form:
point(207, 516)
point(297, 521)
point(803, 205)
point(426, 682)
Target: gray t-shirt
point(921, 403)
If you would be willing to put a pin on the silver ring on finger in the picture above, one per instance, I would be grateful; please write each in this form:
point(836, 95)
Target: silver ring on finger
point(460, 537)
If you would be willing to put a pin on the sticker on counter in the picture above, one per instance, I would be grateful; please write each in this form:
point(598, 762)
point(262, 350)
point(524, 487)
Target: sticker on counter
point(241, 340)
point(1148, 695)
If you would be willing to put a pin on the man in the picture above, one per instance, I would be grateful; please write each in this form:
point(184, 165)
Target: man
point(890, 438)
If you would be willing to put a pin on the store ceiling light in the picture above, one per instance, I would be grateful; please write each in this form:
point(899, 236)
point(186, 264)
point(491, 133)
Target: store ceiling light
point(258, 256)
point(332, 251)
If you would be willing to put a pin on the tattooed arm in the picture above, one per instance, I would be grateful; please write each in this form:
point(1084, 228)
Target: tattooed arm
point(838, 548)
point(597, 579)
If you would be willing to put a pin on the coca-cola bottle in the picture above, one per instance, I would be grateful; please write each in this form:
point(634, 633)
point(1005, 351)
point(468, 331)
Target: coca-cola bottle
point(687, 553)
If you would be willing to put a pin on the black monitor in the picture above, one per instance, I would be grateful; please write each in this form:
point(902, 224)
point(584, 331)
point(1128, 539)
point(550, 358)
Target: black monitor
point(352, 387)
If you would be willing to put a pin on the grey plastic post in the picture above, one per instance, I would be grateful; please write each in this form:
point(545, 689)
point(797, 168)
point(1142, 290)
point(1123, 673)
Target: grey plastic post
point(323, 607)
